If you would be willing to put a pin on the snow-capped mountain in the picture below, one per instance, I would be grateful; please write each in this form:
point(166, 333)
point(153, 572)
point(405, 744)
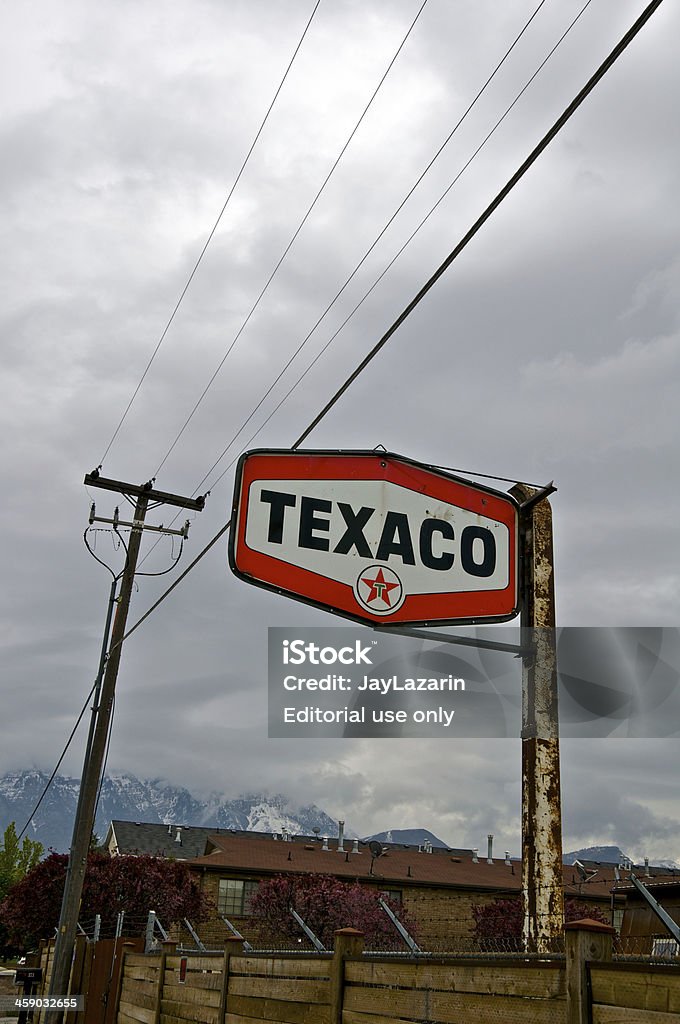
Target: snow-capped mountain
point(611, 855)
point(151, 800)
point(408, 836)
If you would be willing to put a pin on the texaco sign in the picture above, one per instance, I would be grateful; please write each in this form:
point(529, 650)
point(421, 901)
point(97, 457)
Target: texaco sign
point(375, 537)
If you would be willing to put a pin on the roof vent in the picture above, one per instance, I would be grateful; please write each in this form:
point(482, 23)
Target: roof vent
point(475, 857)
point(341, 836)
point(507, 858)
point(178, 837)
point(325, 843)
point(355, 846)
point(489, 856)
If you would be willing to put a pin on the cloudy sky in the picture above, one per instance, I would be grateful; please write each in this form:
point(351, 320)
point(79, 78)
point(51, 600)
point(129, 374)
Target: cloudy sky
point(549, 350)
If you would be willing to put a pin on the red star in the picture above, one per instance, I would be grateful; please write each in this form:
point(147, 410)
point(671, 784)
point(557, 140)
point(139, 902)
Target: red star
point(379, 588)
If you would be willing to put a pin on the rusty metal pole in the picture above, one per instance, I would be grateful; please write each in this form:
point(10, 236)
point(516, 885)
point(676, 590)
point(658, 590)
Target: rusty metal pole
point(542, 874)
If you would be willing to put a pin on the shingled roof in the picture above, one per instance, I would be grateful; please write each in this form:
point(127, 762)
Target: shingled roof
point(130, 837)
point(398, 866)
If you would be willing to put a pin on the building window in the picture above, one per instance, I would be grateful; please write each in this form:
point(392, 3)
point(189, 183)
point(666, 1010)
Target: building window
point(234, 897)
point(391, 895)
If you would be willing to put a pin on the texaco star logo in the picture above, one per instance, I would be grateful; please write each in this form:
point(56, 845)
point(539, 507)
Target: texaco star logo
point(379, 590)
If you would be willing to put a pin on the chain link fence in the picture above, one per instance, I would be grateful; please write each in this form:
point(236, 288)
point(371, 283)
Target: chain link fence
point(210, 937)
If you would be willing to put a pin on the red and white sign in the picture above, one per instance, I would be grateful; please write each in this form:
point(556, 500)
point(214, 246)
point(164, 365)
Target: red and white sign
point(375, 537)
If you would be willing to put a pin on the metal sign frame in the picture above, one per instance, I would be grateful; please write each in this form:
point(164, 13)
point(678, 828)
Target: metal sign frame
point(296, 582)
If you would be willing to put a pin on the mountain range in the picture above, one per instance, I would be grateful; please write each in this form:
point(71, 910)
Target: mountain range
point(128, 798)
point(150, 800)
point(611, 855)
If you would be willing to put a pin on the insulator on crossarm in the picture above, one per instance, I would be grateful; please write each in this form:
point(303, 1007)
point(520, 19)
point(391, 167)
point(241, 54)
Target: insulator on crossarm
point(92, 512)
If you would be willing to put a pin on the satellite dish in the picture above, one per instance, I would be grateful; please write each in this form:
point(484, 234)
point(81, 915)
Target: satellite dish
point(583, 872)
point(376, 848)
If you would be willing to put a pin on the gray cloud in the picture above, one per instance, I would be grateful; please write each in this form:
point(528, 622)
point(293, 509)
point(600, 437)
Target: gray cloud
point(550, 349)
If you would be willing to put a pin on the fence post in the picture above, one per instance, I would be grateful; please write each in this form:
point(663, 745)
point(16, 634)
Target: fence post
point(233, 946)
point(168, 950)
point(585, 940)
point(348, 942)
point(126, 947)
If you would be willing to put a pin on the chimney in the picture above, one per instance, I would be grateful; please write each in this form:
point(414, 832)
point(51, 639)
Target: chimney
point(341, 836)
point(178, 837)
point(647, 871)
point(355, 846)
point(325, 843)
point(475, 858)
point(428, 846)
point(507, 858)
point(489, 856)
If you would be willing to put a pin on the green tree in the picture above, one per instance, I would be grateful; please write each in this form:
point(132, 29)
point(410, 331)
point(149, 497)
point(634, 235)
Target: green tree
point(16, 859)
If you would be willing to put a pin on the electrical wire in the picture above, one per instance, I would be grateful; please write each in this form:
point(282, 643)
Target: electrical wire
point(210, 236)
point(58, 764)
point(291, 242)
point(94, 686)
point(428, 166)
point(370, 249)
point(384, 271)
point(106, 759)
point(604, 67)
point(363, 259)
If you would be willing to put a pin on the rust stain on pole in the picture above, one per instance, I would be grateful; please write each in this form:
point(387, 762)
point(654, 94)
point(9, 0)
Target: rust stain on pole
point(542, 876)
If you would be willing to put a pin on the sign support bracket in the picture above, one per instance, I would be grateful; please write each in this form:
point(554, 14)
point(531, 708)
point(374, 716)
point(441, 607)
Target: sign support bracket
point(519, 650)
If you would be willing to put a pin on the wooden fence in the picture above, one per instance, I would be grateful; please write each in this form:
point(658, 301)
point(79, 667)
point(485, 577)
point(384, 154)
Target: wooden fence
point(474, 993)
point(351, 988)
point(627, 993)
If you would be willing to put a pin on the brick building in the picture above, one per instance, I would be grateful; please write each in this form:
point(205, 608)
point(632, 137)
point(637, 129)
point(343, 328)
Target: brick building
point(437, 887)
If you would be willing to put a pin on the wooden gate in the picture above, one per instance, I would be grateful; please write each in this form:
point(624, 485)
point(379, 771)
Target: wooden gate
point(99, 979)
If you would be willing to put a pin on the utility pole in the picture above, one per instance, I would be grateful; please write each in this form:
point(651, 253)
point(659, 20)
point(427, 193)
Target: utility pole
point(542, 872)
point(99, 729)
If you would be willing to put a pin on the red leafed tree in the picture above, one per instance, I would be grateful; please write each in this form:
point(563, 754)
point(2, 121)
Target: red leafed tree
point(136, 885)
point(325, 904)
point(503, 919)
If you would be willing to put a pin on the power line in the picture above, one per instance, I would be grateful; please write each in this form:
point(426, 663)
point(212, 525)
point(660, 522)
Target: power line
point(481, 220)
point(360, 264)
point(384, 271)
point(373, 245)
point(210, 236)
point(290, 243)
point(58, 764)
